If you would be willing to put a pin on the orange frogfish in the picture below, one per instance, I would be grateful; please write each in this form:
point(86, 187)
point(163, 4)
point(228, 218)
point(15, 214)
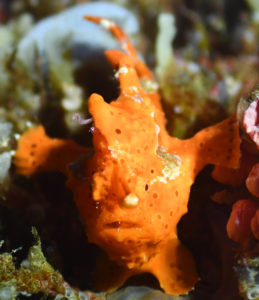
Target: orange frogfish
point(137, 181)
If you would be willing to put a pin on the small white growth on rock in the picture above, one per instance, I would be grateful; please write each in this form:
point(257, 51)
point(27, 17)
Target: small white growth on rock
point(166, 35)
point(5, 132)
point(17, 136)
point(8, 292)
point(253, 293)
point(29, 124)
point(233, 85)
point(177, 109)
point(5, 163)
point(73, 96)
point(131, 200)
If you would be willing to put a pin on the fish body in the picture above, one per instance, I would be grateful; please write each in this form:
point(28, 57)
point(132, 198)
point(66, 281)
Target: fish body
point(136, 184)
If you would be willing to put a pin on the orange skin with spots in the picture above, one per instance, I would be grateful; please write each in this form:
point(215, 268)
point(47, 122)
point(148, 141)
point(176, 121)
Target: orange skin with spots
point(132, 155)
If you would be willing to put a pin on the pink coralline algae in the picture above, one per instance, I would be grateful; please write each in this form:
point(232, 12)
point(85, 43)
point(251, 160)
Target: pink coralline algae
point(251, 121)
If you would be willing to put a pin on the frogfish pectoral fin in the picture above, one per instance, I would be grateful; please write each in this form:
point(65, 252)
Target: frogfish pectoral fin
point(218, 145)
point(174, 267)
point(37, 152)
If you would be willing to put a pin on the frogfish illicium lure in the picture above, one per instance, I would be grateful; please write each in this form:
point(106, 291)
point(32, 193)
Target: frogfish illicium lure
point(136, 182)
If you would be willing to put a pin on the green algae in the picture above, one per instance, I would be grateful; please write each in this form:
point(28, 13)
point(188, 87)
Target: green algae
point(34, 275)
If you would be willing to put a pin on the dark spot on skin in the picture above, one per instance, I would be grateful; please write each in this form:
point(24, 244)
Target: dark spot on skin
point(176, 193)
point(34, 145)
point(201, 144)
point(171, 214)
point(118, 131)
point(146, 187)
point(32, 153)
point(152, 171)
point(155, 195)
point(228, 157)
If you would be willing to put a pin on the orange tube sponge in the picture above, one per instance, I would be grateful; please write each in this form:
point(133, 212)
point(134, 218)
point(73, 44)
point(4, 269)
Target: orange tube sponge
point(140, 177)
